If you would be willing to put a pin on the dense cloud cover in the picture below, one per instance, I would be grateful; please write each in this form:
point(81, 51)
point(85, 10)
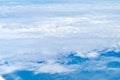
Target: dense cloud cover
point(59, 36)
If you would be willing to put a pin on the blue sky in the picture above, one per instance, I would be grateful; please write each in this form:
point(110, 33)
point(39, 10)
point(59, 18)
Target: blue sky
point(43, 30)
point(56, 1)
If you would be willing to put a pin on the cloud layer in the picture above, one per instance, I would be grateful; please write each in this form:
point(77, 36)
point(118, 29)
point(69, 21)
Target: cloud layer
point(59, 38)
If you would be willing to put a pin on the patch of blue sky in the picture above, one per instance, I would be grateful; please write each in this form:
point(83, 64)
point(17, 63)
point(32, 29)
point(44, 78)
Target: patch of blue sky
point(113, 64)
point(54, 1)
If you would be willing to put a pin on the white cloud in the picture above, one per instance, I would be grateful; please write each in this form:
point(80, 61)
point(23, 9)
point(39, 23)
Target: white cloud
point(92, 54)
point(1, 78)
point(58, 7)
point(62, 27)
point(44, 32)
point(88, 55)
point(4, 69)
point(53, 68)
